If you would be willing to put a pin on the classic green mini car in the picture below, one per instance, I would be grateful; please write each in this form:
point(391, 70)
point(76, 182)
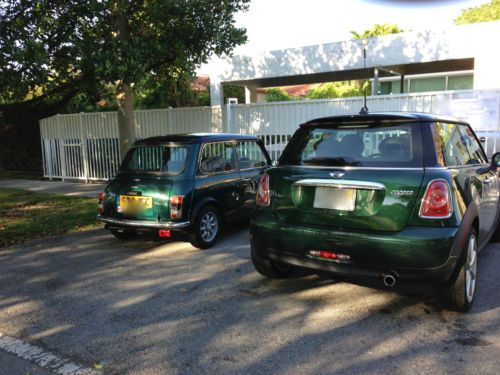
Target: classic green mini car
point(391, 196)
point(187, 183)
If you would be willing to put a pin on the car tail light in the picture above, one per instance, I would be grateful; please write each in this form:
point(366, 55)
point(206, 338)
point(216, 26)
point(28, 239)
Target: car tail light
point(436, 203)
point(100, 199)
point(164, 233)
point(263, 194)
point(328, 255)
point(176, 206)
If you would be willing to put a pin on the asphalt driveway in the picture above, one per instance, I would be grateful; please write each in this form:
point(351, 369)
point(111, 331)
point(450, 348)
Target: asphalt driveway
point(147, 307)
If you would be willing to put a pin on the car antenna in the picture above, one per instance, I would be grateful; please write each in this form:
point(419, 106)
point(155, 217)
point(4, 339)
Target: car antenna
point(364, 109)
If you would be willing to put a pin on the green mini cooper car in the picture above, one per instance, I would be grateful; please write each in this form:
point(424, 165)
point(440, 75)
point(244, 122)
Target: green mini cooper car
point(184, 183)
point(398, 197)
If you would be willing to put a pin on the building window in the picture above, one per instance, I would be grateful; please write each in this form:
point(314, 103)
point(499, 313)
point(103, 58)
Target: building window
point(428, 84)
point(463, 82)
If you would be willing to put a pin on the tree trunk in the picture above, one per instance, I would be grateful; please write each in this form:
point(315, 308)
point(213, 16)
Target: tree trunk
point(126, 125)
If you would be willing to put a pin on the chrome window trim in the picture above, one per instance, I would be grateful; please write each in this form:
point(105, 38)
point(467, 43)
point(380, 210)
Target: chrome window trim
point(348, 168)
point(341, 184)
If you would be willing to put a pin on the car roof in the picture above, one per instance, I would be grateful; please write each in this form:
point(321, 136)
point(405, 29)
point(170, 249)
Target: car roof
point(383, 117)
point(196, 138)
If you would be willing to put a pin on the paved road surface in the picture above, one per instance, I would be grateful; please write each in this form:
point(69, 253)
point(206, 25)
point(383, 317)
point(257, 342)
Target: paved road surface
point(146, 307)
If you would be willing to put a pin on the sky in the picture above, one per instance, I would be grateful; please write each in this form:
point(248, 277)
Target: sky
point(279, 24)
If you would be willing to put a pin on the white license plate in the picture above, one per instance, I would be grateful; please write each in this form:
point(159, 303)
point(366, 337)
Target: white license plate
point(335, 198)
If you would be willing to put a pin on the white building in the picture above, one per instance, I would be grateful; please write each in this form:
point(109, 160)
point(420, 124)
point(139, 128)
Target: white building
point(460, 57)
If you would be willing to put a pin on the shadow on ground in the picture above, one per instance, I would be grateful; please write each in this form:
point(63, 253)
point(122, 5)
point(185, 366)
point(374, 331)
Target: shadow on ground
point(148, 306)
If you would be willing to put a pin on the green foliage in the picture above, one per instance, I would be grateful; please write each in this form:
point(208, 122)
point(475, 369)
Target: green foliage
point(46, 44)
point(378, 30)
point(163, 92)
point(276, 95)
point(481, 13)
point(58, 56)
point(342, 89)
point(25, 215)
point(232, 91)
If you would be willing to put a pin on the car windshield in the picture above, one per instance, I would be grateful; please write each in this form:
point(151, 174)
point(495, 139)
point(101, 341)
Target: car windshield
point(167, 159)
point(356, 145)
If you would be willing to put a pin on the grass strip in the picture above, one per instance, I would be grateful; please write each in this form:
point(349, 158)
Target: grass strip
point(25, 215)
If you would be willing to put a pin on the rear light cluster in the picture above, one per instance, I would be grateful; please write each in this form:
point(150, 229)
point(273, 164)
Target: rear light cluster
point(328, 255)
point(176, 206)
point(100, 201)
point(436, 203)
point(164, 233)
point(263, 194)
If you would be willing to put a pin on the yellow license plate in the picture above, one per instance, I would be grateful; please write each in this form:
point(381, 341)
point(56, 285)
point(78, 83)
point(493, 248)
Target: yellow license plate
point(135, 202)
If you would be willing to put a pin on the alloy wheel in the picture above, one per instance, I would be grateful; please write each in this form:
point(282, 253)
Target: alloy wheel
point(471, 269)
point(209, 226)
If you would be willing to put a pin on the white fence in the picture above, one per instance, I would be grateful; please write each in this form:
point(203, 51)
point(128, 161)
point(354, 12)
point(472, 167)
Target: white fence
point(85, 146)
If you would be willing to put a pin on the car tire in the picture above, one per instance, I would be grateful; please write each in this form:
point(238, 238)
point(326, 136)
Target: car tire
point(458, 294)
point(123, 234)
point(268, 267)
point(207, 227)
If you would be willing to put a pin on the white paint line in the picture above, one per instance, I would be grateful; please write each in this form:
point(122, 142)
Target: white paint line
point(42, 358)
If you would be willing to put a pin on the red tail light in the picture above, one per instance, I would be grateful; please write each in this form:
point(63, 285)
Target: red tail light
point(100, 199)
point(263, 194)
point(164, 233)
point(437, 201)
point(176, 206)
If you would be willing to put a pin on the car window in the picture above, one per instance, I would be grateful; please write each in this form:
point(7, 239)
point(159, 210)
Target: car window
point(358, 145)
point(250, 155)
point(217, 157)
point(474, 148)
point(168, 159)
point(453, 145)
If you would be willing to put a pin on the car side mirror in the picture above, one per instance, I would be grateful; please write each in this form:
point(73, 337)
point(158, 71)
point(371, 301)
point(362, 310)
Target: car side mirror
point(495, 160)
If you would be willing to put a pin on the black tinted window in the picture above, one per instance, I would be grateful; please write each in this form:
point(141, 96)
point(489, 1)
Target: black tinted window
point(357, 145)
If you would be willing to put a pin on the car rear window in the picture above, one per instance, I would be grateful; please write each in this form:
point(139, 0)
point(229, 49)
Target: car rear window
point(364, 145)
point(167, 159)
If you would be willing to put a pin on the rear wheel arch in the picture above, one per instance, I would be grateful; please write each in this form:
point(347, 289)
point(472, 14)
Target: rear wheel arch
point(469, 220)
point(204, 202)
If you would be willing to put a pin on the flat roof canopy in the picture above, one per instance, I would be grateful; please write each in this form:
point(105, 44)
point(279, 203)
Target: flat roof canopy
point(357, 74)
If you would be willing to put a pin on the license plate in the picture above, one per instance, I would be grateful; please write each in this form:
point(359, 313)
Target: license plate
point(335, 198)
point(135, 202)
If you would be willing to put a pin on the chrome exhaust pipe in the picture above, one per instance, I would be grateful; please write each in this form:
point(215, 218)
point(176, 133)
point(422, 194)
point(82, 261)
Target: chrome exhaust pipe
point(389, 280)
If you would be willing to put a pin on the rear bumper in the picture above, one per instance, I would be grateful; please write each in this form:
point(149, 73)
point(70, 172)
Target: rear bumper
point(414, 254)
point(142, 224)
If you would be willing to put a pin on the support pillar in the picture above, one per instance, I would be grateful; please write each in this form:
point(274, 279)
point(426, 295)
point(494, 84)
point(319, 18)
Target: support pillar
point(250, 94)
point(216, 93)
point(375, 82)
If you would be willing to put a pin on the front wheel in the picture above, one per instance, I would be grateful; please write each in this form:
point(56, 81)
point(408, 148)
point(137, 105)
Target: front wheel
point(268, 267)
point(206, 228)
point(459, 294)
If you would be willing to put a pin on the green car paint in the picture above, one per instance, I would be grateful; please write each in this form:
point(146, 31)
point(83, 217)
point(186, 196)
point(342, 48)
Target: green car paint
point(383, 231)
point(161, 169)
